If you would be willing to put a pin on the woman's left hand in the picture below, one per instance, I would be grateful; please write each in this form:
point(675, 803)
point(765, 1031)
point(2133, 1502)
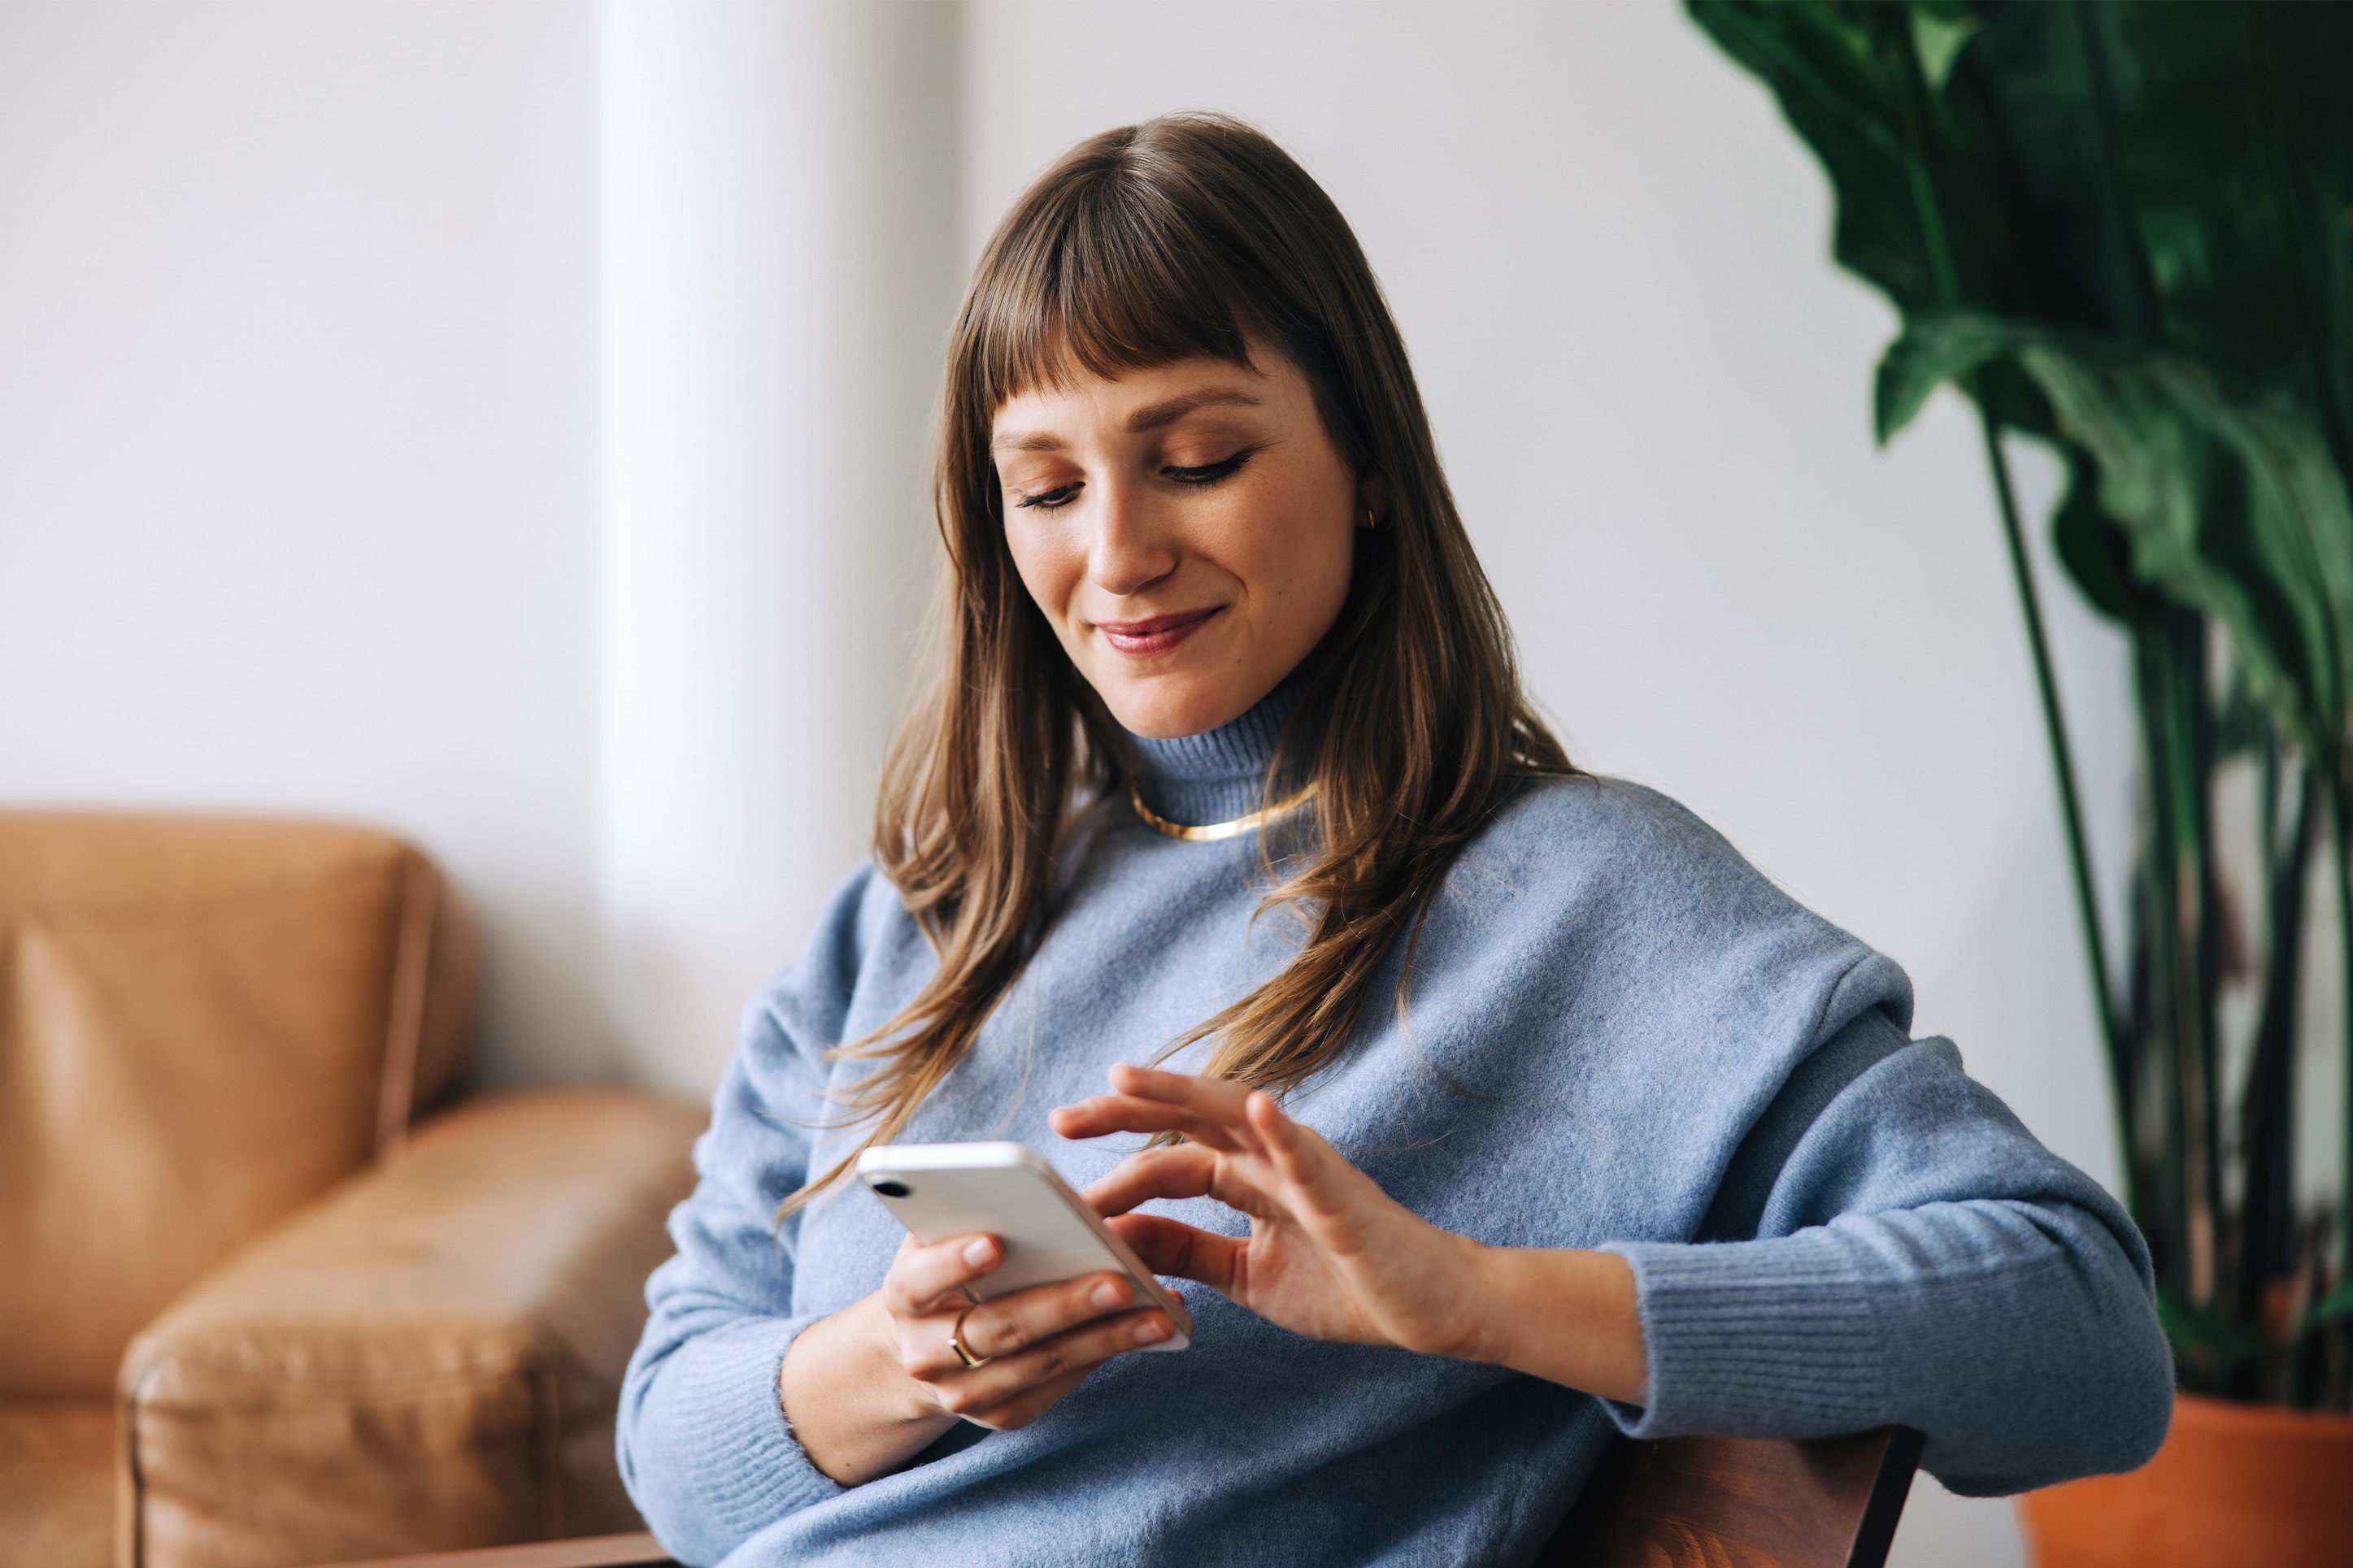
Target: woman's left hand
point(1332, 1257)
point(1329, 1254)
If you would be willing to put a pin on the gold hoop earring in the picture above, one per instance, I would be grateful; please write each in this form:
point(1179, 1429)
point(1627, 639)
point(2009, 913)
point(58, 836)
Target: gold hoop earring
point(1370, 520)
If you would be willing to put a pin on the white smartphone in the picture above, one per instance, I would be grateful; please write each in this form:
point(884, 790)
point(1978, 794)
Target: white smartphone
point(939, 1191)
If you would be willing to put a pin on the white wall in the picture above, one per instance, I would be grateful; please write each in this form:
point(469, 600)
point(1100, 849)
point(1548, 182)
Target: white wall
point(499, 419)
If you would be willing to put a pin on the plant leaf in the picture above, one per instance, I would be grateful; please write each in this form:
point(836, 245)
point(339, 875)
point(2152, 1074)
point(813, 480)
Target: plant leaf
point(1938, 31)
point(1931, 351)
point(1818, 60)
point(2338, 1303)
point(2094, 548)
point(2232, 511)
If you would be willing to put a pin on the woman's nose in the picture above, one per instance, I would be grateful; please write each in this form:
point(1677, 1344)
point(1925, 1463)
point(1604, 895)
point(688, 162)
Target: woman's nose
point(1129, 551)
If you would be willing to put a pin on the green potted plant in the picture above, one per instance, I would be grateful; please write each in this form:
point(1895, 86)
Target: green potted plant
point(2125, 229)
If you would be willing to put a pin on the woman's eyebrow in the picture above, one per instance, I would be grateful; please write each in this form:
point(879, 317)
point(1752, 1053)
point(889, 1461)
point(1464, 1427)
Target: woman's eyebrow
point(1157, 416)
point(1152, 416)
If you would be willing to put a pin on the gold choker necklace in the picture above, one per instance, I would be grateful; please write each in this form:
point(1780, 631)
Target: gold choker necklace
point(1216, 829)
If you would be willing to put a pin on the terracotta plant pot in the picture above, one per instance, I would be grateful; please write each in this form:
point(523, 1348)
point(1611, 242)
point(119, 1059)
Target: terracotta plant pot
point(2235, 1483)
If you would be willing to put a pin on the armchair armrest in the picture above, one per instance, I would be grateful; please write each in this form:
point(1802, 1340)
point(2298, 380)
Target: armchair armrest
point(428, 1358)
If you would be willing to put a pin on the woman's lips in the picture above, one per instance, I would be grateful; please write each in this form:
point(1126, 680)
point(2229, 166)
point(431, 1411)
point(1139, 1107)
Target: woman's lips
point(1150, 639)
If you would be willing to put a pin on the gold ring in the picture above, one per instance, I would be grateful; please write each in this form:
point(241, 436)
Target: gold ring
point(955, 1342)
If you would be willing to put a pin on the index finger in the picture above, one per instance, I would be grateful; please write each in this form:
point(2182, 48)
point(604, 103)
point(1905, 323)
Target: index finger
point(1126, 1114)
point(1208, 1110)
point(1221, 1098)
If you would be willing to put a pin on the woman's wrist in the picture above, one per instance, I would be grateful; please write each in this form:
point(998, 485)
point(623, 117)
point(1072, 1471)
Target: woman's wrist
point(1568, 1316)
point(851, 1405)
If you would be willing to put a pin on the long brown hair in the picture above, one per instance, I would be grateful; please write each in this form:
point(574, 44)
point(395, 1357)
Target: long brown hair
point(1190, 235)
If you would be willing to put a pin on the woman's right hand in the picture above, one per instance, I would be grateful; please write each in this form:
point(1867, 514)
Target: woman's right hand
point(872, 1386)
point(1038, 1344)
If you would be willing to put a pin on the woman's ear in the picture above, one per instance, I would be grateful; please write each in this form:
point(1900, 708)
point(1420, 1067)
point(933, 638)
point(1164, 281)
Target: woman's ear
point(1372, 502)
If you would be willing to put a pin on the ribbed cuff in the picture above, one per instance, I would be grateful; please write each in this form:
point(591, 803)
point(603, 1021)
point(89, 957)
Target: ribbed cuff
point(722, 1395)
point(1753, 1339)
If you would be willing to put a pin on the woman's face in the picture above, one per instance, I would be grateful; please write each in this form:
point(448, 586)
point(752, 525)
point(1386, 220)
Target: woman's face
point(1188, 531)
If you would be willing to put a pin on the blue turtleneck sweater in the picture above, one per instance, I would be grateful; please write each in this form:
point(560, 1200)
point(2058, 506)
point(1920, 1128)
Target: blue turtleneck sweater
point(1832, 1228)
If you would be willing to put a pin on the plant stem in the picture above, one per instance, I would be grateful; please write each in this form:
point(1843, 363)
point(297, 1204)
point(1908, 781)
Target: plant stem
point(1915, 116)
point(2161, 1012)
point(2071, 811)
point(2267, 1229)
point(2341, 811)
point(2191, 755)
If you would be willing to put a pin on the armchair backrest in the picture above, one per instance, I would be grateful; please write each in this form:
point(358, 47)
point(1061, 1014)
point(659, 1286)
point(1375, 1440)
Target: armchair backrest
point(204, 1024)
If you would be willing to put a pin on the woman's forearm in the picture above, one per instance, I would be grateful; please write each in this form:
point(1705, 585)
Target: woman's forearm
point(1568, 1316)
point(854, 1409)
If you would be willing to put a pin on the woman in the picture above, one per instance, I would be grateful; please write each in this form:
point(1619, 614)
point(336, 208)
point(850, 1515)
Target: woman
point(1228, 762)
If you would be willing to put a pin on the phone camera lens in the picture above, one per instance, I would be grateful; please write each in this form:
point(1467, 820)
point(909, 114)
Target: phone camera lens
point(892, 1189)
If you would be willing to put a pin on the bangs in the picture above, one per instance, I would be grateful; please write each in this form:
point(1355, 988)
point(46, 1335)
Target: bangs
point(1100, 276)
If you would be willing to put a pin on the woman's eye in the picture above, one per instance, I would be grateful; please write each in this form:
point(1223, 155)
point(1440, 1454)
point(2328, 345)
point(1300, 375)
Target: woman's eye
point(1051, 501)
point(1208, 474)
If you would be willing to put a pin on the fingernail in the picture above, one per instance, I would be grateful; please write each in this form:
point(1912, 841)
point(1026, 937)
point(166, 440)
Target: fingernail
point(1151, 1331)
point(1106, 1296)
point(979, 1252)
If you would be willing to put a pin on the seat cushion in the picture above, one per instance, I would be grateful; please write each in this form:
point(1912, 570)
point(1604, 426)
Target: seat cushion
point(429, 1359)
point(204, 1024)
point(57, 1483)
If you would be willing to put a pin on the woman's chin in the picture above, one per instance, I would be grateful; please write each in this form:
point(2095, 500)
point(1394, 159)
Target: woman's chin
point(1165, 705)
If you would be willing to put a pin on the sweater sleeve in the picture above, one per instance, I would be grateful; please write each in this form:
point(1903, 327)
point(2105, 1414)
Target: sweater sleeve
point(704, 1448)
point(1914, 1257)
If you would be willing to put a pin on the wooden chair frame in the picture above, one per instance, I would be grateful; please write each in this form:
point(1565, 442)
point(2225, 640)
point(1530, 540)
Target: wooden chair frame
point(1687, 1503)
point(1741, 1502)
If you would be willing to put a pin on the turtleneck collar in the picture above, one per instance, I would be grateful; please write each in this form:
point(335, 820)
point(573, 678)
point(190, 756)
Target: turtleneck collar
point(1218, 775)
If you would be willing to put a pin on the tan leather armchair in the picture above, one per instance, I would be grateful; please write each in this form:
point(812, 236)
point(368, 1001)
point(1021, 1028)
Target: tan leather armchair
point(253, 1311)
